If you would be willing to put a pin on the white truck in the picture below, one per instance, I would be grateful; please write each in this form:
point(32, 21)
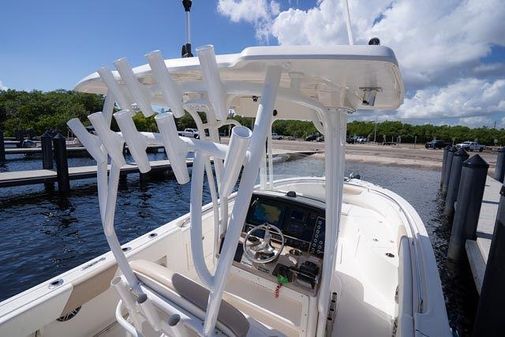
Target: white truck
point(190, 133)
point(470, 146)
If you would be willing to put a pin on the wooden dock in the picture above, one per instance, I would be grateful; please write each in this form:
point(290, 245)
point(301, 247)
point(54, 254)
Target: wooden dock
point(81, 172)
point(70, 150)
point(478, 250)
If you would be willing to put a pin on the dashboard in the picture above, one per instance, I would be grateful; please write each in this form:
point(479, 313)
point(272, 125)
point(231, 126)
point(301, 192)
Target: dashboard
point(301, 222)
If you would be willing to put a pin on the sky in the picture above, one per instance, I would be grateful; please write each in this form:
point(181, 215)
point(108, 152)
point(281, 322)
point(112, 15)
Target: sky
point(451, 53)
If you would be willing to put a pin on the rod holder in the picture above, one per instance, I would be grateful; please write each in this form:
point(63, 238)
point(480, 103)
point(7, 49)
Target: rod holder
point(239, 142)
point(129, 301)
point(91, 142)
point(214, 86)
point(139, 95)
point(170, 91)
point(149, 312)
point(111, 83)
point(112, 142)
point(137, 143)
point(175, 148)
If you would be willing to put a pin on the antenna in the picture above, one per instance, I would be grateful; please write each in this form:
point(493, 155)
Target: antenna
point(348, 22)
point(186, 48)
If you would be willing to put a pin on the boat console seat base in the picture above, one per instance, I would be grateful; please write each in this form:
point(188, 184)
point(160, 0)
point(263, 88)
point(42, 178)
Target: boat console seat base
point(168, 284)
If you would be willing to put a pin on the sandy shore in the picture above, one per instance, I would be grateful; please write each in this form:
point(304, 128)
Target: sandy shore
point(409, 155)
point(398, 155)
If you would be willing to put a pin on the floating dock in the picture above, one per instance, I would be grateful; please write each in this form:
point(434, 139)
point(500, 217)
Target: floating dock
point(478, 250)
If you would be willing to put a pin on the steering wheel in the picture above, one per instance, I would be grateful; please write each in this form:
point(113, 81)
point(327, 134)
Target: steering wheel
point(260, 250)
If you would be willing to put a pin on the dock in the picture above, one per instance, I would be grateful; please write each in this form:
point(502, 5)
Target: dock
point(478, 250)
point(70, 150)
point(31, 177)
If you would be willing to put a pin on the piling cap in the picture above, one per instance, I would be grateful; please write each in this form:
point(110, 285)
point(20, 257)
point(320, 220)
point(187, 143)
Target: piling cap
point(448, 147)
point(46, 135)
point(453, 149)
point(476, 162)
point(462, 153)
point(58, 136)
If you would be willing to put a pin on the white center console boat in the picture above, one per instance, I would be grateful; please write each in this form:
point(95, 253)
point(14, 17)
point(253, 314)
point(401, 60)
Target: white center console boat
point(296, 257)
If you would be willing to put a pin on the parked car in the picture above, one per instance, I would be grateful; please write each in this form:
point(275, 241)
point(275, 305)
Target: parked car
point(190, 133)
point(361, 140)
point(276, 136)
point(470, 146)
point(312, 137)
point(436, 144)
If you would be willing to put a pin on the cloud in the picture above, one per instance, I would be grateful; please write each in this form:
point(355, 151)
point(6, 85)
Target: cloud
point(441, 46)
point(466, 97)
point(257, 12)
point(2, 86)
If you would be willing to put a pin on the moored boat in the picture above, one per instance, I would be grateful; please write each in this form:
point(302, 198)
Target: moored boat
point(302, 256)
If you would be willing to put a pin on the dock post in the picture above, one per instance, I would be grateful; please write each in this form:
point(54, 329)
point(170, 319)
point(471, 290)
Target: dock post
point(455, 176)
point(2, 147)
point(447, 169)
point(47, 151)
point(490, 311)
point(466, 217)
point(60, 156)
point(499, 171)
point(444, 165)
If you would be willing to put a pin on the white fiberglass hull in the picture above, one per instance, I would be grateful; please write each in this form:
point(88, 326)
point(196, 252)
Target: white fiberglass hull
point(386, 279)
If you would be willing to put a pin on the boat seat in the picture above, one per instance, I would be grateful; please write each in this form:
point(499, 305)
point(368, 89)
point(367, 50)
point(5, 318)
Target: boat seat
point(166, 282)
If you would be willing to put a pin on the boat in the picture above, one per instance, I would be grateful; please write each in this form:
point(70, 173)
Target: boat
point(302, 256)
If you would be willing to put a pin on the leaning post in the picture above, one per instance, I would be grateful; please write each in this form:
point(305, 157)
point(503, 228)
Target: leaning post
point(466, 217)
point(447, 169)
point(2, 147)
point(499, 171)
point(455, 176)
point(444, 165)
point(490, 310)
point(60, 156)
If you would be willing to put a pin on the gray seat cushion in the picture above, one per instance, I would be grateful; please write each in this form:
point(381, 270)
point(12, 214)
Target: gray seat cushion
point(191, 291)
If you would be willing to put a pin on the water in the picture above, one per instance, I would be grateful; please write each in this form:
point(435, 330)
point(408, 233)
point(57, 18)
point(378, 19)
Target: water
point(45, 235)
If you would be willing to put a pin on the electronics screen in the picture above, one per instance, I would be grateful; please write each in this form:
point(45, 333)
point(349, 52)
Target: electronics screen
point(265, 212)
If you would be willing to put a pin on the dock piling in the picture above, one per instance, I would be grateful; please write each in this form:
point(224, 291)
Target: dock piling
point(447, 169)
point(444, 164)
point(490, 311)
point(60, 156)
point(2, 147)
point(469, 200)
point(499, 171)
point(455, 176)
point(47, 151)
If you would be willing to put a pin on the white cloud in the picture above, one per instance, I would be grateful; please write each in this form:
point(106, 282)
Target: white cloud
point(257, 12)
point(439, 44)
point(2, 86)
point(466, 97)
